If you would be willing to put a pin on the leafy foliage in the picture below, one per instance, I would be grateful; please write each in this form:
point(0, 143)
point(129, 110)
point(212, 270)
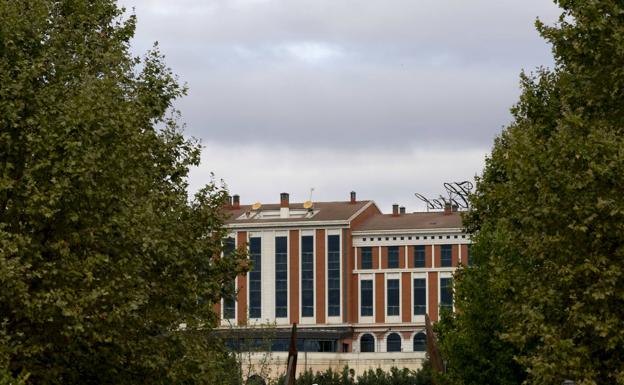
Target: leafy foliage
point(102, 253)
point(548, 216)
point(370, 377)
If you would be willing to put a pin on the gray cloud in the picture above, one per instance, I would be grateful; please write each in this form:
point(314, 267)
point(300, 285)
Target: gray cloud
point(347, 73)
point(385, 176)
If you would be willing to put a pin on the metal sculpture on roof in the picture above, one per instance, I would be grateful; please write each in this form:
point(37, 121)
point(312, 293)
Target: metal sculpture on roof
point(458, 196)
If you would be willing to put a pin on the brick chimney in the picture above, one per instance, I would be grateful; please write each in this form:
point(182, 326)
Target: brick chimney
point(395, 210)
point(353, 200)
point(236, 201)
point(284, 205)
point(448, 209)
point(402, 210)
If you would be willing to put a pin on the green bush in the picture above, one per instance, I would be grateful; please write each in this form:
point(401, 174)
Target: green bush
point(371, 377)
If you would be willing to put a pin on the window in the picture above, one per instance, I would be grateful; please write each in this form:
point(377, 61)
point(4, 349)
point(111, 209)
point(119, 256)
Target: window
point(333, 275)
point(393, 257)
point(446, 256)
point(367, 343)
point(419, 256)
point(255, 278)
point(469, 256)
point(392, 300)
point(281, 277)
point(366, 296)
point(229, 300)
point(420, 296)
point(446, 293)
point(420, 342)
point(393, 343)
point(367, 258)
point(307, 276)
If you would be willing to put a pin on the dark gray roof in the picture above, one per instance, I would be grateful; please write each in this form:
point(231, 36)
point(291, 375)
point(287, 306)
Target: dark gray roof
point(327, 211)
point(430, 220)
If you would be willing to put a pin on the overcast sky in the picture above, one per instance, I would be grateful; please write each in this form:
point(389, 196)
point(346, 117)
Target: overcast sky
point(386, 98)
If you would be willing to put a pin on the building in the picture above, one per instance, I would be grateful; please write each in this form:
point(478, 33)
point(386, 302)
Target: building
point(353, 279)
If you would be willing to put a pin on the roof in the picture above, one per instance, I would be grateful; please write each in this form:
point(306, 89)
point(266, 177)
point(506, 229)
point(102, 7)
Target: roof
point(411, 221)
point(324, 212)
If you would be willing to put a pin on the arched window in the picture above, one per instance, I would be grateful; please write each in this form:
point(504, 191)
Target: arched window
point(393, 343)
point(367, 343)
point(420, 342)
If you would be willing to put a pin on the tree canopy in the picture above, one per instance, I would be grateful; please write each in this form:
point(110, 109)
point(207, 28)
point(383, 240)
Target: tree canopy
point(102, 252)
point(548, 219)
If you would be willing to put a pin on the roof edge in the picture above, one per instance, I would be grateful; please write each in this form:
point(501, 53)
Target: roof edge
point(413, 230)
point(360, 211)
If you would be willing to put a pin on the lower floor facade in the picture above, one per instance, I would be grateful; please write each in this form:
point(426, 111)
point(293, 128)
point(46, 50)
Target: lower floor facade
point(263, 350)
point(273, 364)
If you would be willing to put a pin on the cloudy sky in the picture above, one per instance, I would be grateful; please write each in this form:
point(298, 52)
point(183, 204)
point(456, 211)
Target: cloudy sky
point(386, 98)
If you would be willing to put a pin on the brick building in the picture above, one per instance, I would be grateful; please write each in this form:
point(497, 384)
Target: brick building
point(354, 280)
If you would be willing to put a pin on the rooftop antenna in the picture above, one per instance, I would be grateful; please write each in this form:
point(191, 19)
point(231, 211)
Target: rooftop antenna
point(311, 191)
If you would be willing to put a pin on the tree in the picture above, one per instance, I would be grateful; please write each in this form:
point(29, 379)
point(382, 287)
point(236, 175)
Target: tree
point(102, 253)
point(469, 342)
point(548, 213)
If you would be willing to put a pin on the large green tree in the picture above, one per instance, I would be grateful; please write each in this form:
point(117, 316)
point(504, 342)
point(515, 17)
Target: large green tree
point(102, 253)
point(548, 213)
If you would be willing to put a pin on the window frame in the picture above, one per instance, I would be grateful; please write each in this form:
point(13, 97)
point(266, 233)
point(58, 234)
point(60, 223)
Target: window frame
point(281, 292)
point(255, 275)
point(395, 308)
point(424, 346)
point(394, 341)
point(446, 255)
point(394, 256)
point(372, 297)
point(369, 255)
point(334, 284)
point(418, 250)
point(372, 343)
point(307, 276)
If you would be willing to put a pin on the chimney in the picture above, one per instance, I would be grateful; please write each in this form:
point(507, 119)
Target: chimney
point(395, 210)
point(448, 209)
point(402, 210)
point(236, 201)
point(284, 205)
point(353, 200)
point(455, 207)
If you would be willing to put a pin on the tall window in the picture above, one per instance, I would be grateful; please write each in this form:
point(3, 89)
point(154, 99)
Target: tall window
point(393, 343)
point(420, 342)
point(392, 301)
point(367, 258)
point(446, 256)
point(255, 278)
point(229, 301)
point(307, 276)
point(393, 257)
point(446, 293)
point(281, 277)
point(367, 343)
point(366, 297)
point(419, 256)
point(333, 275)
point(420, 296)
